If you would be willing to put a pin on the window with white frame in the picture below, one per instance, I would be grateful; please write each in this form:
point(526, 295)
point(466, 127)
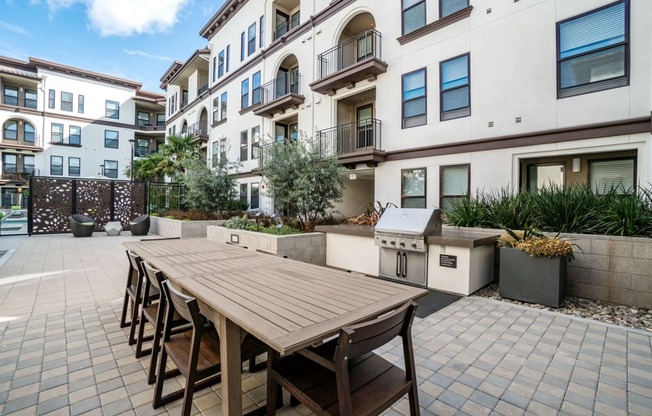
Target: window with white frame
point(413, 188)
point(453, 185)
point(593, 50)
point(455, 88)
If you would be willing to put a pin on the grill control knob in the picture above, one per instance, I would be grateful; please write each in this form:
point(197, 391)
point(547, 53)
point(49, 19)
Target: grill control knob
point(392, 243)
point(384, 241)
point(414, 245)
point(402, 243)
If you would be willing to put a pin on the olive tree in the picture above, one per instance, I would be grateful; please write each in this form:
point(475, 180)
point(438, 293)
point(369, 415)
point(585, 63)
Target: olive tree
point(210, 190)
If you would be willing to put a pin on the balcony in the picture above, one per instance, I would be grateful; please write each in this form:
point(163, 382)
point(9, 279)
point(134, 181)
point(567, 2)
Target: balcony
point(199, 131)
point(23, 143)
point(17, 175)
point(351, 61)
point(352, 143)
point(202, 90)
point(286, 25)
point(281, 94)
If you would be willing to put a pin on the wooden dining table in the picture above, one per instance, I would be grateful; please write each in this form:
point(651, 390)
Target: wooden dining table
point(287, 304)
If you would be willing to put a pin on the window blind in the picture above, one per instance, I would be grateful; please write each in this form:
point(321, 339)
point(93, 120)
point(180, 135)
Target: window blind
point(455, 180)
point(609, 174)
point(593, 31)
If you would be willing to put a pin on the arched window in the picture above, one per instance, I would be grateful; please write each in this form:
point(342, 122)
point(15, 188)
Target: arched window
point(10, 130)
point(29, 133)
point(184, 128)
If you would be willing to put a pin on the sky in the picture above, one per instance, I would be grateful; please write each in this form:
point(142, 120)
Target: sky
point(133, 39)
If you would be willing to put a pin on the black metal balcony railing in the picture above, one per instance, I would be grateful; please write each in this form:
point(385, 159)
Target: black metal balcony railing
point(285, 27)
point(290, 82)
point(362, 46)
point(202, 89)
point(199, 128)
point(141, 152)
point(350, 138)
point(184, 103)
point(17, 174)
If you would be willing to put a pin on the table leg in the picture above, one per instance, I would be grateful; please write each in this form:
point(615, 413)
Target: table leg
point(231, 367)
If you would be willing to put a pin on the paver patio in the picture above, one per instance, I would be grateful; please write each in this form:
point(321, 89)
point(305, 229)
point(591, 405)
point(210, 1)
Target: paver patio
point(63, 352)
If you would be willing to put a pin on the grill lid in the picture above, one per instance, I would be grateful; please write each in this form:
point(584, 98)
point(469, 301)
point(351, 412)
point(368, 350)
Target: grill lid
point(416, 221)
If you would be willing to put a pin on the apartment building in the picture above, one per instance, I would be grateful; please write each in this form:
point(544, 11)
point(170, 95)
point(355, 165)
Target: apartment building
point(426, 101)
point(61, 121)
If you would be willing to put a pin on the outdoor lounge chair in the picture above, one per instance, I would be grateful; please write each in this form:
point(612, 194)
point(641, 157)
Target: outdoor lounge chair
point(140, 225)
point(81, 225)
point(344, 376)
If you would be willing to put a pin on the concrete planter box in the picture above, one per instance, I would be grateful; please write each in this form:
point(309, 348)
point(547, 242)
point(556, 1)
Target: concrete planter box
point(310, 247)
point(532, 279)
point(166, 227)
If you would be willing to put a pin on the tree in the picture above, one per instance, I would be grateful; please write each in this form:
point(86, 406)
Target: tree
point(210, 190)
point(302, 182)
point(175, 155)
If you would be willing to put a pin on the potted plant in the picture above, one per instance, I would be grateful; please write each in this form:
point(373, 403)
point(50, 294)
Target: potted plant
point(533, 267)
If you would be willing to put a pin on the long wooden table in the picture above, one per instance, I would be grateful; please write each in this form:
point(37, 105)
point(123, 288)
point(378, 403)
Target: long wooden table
point(287, 304)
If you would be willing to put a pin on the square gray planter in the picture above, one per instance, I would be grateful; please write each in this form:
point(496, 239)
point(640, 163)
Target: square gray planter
point(532, 279)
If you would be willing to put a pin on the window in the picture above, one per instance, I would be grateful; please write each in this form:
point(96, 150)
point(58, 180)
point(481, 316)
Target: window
point(215, 153)
point(255, 142)
point(453, 185)
point(111, 139)
point(251, 43)
point(242, 46)
point(414, 99)
point(160, 119)
point(74, 166)
point(216, 109)
point(56, 165)
point(455, 100)
point(57, 133)
point(243, 192)
point(593, 51)
point(222, 150)
point(10, 130)
point(413, 188)
point(74, 135)
point(414, 15)
point(143, 118)
point(617, 174)
point(10, 95)
point(9, 163)
point(112, 109)
point(142, 147)
point(111, 168)
point(545, 176)
point(28, 164)
point(30, 133)
point(184, 98)
point(448, 7)
point(80, 104)
point(261, 35)
point(220, 64)
point(255, 88)
point(228, 57)
point(51, 98)
point(223, 106)
point(244, 145)
point(215, 68)
point(255, 196)
point(30, 99)
point(66, 101)
point(244, 91)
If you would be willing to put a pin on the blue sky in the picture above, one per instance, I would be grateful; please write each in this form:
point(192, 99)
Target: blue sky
point(133, 39)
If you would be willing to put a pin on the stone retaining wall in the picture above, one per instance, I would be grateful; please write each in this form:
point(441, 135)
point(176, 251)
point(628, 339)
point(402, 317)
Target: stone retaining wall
point(166, 227)
point(310, 247)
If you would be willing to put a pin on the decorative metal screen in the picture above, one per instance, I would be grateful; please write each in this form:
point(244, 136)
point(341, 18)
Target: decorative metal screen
point(53, 200)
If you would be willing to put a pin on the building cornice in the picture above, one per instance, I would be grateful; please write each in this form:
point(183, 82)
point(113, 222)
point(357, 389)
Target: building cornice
point(567, 134)
point(177, 67)
point(221, 17)
point(70, 70)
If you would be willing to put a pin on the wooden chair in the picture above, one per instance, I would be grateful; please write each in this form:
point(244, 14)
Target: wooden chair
point(195, 353)
point(153, 311)
point(132, 295)
point(344, 376)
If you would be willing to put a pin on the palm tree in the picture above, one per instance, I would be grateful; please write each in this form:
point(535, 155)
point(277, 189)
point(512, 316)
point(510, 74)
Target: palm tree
point(180, 150)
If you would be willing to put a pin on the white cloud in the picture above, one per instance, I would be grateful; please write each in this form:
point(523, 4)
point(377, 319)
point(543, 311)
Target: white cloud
point(12, 28)
point(147, 55)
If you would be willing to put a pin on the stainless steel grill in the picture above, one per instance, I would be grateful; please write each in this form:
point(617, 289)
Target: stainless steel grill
point(401, 235)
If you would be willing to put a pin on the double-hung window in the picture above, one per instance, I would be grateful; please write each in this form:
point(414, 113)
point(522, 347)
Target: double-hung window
point(251, 40)
point(255, 142)
point(223, 100)
point(255, 88)
point(593, 50)
point(30, 99)
point(448, 7)
point(112, 109)
point(74, 166)
point(9, 163)
point(414, 98)
point(243, 193)
point(10, 95)
point(111, 139)
point(216, 109)
point(160, 119)
point(455, 88)
point(30, 133)
point(56, 165)
point(617, 175)
point(453, 185)
point(220, 64)
point(10, 130)
point(51, 98)
point(143, 118)
point(66, 101)
point(242, 46)
point(413, 188)
point(111, 168)
point(413, 15)
point(74, 135)
point(28, 164)
point(244, 94)
point(215, 154)
point(244, 145)
point(80, 104)
point(255, 196)
point(57, 133)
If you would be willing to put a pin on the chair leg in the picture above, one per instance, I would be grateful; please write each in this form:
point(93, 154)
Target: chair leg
point(134, 321)
point(413, 398)
point(188, 393)
point(141, 336)
point(156, 346)
point(123, 317)
point(274, 393)
point(160, 379)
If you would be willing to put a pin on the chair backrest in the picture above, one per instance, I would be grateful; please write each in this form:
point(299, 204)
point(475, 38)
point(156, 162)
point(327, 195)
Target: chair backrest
point(80, 218)
point(365, 337)
point(154, 276)
point(134, 267)
point(185, 306)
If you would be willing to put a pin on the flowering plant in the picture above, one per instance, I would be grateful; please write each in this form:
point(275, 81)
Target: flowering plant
point(535, 243)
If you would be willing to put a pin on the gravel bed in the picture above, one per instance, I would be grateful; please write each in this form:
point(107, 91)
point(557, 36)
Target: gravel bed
point(629, 316)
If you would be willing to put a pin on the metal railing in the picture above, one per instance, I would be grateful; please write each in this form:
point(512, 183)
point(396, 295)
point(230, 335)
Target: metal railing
point(199, 128)
point(36, 142)
point(360, 47)
point(290, 82)
point(284, 28)
point(17, 175)
point(202, 89)
point(350, 137)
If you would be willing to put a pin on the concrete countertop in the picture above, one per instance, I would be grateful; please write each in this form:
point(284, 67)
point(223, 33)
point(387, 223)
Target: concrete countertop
point(349, 229)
